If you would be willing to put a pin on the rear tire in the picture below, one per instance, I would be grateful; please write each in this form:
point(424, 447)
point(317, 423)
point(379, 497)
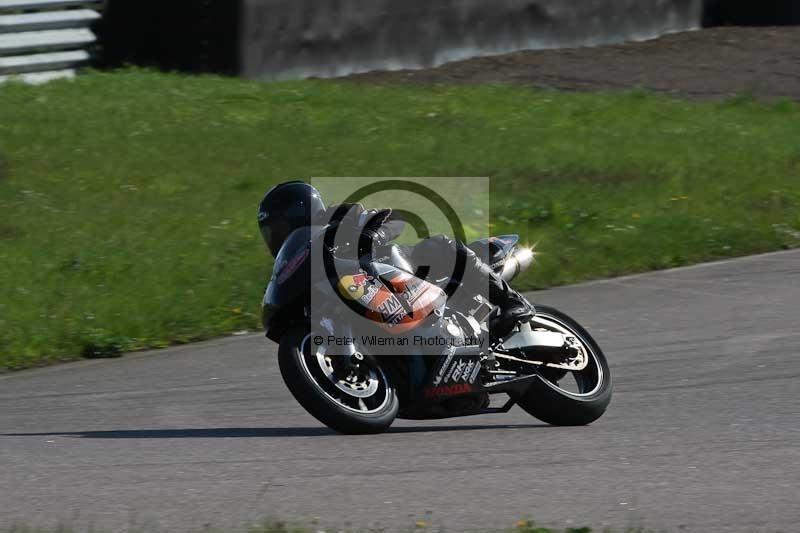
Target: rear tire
point(554, 405)
point(305, 377)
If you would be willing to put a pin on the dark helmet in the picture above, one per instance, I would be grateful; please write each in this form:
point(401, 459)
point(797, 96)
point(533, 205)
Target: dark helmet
point(285, 208)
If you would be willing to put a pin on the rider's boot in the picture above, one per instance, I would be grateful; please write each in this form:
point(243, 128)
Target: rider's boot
point(513, 309)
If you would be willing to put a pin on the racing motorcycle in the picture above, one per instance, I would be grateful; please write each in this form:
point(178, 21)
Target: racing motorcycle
point(380, 342)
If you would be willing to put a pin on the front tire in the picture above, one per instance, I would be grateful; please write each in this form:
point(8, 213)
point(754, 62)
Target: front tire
point(555, 405)
point(362, 404)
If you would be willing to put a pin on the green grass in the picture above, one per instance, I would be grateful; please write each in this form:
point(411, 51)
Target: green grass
point(127, 200)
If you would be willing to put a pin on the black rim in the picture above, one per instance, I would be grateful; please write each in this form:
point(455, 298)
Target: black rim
point(360, 389)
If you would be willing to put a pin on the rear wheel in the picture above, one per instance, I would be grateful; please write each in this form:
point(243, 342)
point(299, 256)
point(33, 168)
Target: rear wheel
point(348, 399)
point(569, 398)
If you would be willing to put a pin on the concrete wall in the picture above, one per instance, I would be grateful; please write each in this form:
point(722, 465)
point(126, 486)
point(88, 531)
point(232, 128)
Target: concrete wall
point(301, 38)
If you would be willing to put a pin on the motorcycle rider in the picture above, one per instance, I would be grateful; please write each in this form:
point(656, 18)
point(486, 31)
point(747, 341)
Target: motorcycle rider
point(295, 204)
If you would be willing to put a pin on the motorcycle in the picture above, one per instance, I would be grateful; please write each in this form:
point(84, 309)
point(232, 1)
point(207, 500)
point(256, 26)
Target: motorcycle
point(422, 355)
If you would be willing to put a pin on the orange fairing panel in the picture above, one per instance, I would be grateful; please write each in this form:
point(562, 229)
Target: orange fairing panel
point(398, 304)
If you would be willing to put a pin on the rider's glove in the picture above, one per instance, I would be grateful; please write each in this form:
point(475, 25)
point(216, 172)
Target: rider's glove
point(372, 222)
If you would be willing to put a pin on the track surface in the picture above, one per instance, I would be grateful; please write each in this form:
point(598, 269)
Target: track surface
point(708, 64)
point(703, 431)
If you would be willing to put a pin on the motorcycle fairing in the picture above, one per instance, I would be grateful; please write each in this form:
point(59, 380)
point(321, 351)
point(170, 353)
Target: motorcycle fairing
point(455, 373)
point(288, 291)
point(393, 299)
point(495, 250)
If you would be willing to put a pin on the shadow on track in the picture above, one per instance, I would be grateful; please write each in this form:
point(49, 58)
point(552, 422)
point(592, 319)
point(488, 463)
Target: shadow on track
point(238, 433)
point(472, 427)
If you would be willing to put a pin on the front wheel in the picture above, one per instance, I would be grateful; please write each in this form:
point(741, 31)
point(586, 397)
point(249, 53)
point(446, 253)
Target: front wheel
point(349, 400)
point(569, 398)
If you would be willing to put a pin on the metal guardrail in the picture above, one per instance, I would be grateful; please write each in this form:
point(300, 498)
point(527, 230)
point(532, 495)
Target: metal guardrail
point(42, 40)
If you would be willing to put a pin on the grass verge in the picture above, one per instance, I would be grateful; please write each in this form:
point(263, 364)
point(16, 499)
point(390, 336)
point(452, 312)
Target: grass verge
point(127, 199)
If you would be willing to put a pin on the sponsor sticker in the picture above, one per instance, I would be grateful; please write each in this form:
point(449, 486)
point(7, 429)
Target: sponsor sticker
point(449, 375)
point(289, 267)
point(412, 291)
point(448, 390)
point(392, 311)
point(443, 370)
point(468, 370)
point(355, 287)
point(369, 295)
point(475, 372)
point(459, 368)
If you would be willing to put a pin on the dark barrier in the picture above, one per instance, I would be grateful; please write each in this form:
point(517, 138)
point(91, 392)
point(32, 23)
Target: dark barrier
point(270, 39)
point(191, 35)
point(751, 12)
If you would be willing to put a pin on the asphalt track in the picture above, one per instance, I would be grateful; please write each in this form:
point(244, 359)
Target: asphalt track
point(703, 433)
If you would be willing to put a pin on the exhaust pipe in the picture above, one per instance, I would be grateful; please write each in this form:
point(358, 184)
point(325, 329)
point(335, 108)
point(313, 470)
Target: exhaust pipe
point(517, 263)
